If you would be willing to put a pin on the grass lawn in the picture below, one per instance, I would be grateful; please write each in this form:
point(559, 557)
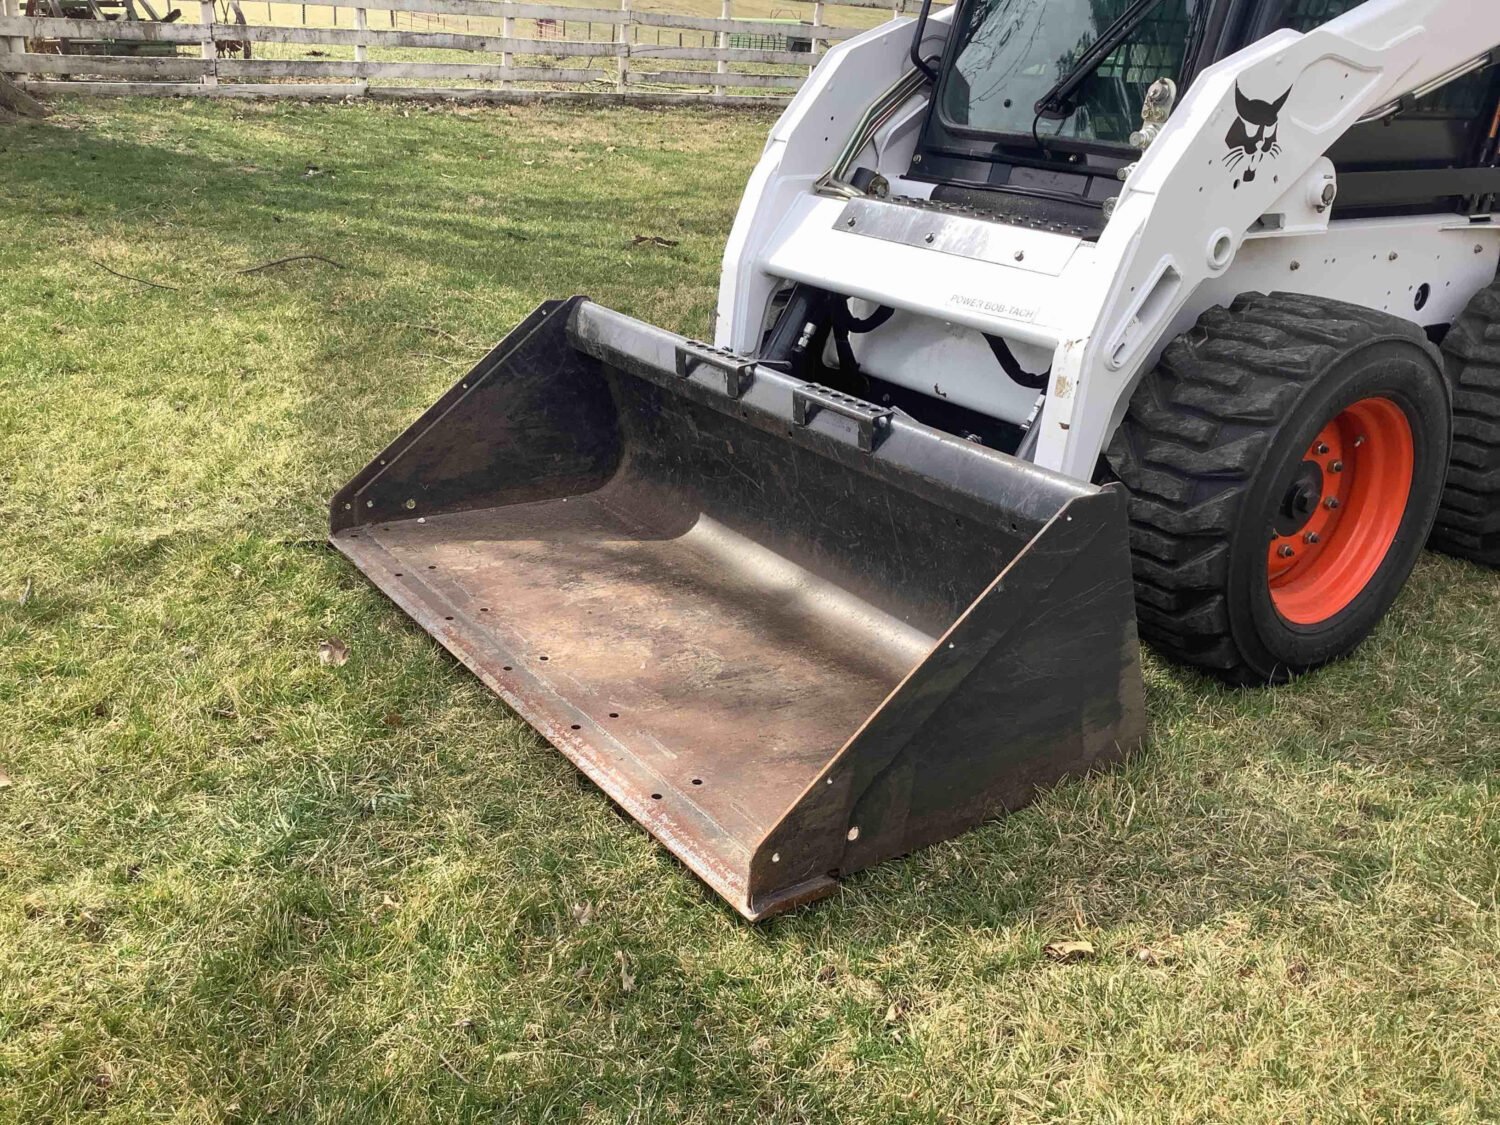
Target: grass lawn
point(237, 884)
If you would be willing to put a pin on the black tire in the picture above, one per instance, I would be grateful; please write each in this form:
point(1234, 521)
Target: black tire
point(1211, 446)
point(1468, 523)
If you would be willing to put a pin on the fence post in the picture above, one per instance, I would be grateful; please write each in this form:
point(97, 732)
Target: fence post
point(206, 16)
point(816, 44)
point(622, 60)
point(507, 58)
point(361, 48)
point(14, 45)
point(726, 11)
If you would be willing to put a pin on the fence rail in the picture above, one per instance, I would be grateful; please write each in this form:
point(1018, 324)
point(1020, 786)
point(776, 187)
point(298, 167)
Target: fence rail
point(386, 48)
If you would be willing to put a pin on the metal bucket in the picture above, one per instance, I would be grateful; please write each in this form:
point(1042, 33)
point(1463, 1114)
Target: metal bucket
point(791, 633)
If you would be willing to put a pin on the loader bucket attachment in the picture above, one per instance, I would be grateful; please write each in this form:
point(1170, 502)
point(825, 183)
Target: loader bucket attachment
point(791, 633)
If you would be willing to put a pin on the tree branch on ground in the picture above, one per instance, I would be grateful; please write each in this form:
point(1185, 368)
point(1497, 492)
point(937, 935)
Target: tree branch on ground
point(137, 280)
point(293, 258)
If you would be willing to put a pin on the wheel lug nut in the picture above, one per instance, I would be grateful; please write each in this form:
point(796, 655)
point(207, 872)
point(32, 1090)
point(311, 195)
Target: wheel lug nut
point(1322, 447)
point(1285, 551)
point(1331, 503)
point(1336, 467)
point(1312, 537)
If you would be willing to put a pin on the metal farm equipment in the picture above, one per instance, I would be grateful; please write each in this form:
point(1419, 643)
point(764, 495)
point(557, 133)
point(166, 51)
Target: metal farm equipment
point(1039, 324)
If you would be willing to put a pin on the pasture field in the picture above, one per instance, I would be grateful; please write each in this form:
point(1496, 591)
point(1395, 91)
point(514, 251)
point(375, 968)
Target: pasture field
point(238, 884)
point(280, 13)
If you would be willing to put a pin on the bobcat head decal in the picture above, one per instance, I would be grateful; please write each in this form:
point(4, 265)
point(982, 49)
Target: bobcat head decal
point(1252, 137)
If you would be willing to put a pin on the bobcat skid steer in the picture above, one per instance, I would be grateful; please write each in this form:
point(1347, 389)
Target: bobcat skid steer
point(1040, 318)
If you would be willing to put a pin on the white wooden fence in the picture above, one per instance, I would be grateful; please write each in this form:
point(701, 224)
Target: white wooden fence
point(410, 48)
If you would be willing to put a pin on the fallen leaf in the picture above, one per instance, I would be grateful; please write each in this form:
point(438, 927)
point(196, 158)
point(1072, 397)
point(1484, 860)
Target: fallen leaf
point(627, 978)
point(333, 651)
point(188, 652)
point(5, 781)
point(827, 974)
point(393, 719)
point(653, 240)
point(1069, 950)
point(583, 913)
point(1297, 973)
point(897, 1010)
point(26, 592)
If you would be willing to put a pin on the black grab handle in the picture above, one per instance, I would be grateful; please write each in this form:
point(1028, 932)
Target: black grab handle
point(916, 43)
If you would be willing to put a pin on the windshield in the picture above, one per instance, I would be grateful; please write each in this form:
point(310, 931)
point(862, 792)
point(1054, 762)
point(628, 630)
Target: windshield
point(1011, 52)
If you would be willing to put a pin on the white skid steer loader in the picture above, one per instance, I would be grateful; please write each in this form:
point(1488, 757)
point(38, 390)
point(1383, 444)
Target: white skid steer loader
point(1040, 318)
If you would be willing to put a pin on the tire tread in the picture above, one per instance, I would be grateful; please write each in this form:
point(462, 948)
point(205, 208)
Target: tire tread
point(1468, 522)
point(1193, 437)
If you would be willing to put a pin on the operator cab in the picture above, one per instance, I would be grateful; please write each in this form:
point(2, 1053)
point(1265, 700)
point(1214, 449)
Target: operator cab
point(1034, 104)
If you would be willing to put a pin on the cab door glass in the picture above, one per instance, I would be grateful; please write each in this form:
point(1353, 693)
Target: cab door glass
point(1011, 52)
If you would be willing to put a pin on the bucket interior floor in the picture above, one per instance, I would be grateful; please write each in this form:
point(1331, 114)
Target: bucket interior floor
point(728, 676)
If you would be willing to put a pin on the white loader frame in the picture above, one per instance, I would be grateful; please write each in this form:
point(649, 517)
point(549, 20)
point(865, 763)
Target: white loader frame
point(1187, 233)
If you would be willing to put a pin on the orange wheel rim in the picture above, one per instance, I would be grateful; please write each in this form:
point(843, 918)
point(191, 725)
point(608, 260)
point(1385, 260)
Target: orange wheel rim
point(1338, 520)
